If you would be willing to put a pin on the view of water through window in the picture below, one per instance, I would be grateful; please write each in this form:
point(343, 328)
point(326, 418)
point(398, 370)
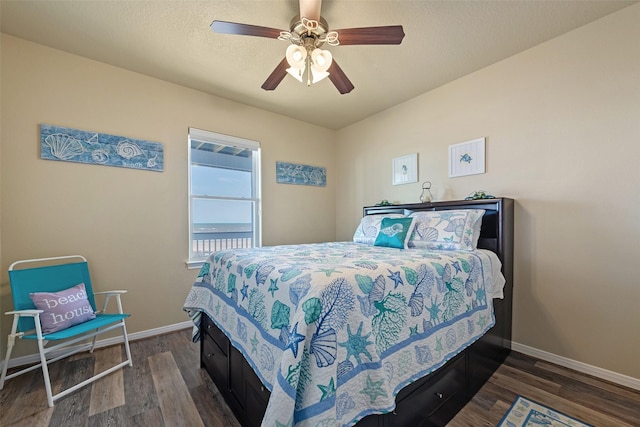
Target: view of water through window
point(224, 189)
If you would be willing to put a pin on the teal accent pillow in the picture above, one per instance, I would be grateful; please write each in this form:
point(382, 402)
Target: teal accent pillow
point(394, 232)
point(369, 228)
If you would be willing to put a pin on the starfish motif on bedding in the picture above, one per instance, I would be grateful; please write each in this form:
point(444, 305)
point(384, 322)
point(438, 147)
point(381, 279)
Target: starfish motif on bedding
point(327, 390)
point(274, 286)
point(434, 310)
point(254, 344)
point(373, 389)
point(329, 271)
point(292, 339)
point(482, 321)
point(397, 279)
point(356, 344)
point(245, 290)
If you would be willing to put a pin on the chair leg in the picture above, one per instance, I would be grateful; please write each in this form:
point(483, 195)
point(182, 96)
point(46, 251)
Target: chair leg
point(126, 344)
point(45, 367)
point(11, 339)
point(93, 343)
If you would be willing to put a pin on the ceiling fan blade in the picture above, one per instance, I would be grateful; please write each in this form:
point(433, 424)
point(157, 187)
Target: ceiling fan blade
point(276, 75)
point(392, 34)
point(339, 78)
point(310, 9)
point(225, 27)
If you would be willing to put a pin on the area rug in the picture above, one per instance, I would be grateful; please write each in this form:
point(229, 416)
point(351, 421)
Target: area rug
point(527, 413)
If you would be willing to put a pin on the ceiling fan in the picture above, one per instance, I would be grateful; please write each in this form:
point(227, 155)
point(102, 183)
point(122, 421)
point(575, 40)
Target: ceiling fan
point(309, 31)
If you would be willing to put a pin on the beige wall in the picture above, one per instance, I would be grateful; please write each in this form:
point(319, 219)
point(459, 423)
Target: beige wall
point(562, 129)
point(133, 225)
point(562, 122)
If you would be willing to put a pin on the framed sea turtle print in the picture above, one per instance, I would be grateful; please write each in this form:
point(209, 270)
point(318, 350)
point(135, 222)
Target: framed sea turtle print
point(467, 158)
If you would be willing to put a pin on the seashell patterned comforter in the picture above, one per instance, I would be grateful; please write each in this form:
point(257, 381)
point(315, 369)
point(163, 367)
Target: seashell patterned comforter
point(336, 330)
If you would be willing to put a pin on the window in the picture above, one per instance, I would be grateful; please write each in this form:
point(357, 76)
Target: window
point(224, 193)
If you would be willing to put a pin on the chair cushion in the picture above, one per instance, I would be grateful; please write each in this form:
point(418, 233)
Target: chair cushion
point(63, 309)
point(100, 321)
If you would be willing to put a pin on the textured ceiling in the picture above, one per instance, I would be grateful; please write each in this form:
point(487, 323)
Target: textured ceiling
point(171, 40)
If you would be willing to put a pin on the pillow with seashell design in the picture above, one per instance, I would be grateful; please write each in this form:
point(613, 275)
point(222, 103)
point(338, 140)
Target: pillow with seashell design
point(394, 232)
point(448, 230)
point(369, 227)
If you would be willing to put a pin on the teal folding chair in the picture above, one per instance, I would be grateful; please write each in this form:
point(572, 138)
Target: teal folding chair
point(55, 275)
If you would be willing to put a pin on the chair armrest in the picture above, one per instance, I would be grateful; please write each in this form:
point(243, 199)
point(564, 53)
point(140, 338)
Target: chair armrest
point(32, 313)
point(108, 295)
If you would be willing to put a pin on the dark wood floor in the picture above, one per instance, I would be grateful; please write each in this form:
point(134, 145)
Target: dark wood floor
point(166, 387)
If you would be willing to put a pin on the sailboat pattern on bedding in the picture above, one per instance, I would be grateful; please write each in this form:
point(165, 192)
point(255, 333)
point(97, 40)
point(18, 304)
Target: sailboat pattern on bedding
point(336, 330)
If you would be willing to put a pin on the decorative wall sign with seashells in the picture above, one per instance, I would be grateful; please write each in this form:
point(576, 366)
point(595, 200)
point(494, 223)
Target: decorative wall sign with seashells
point(63, 147)
point(80, 146)
point(293, 173)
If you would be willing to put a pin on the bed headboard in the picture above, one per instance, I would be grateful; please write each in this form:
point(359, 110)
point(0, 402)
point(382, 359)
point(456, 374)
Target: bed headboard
point(496, 235)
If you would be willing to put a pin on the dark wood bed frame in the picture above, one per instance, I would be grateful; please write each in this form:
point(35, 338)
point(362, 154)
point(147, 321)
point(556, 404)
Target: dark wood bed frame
point(432, 400)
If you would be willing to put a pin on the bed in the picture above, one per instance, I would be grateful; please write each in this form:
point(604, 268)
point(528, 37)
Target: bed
point(345, 333)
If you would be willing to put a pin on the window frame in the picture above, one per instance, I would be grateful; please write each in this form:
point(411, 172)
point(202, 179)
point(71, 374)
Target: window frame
point(236, 142)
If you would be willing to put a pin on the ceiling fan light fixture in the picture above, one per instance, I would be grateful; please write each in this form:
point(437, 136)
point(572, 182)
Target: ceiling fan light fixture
point(307, 32)
point(321, 60)
point(296, 56)
point(296, 72)
point(318, 75)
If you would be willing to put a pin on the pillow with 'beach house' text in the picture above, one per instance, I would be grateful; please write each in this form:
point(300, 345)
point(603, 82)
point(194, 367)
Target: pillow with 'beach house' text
point(63, 309)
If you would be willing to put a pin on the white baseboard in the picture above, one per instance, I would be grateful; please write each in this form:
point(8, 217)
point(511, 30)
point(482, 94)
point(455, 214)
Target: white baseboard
point(35, 357)
point(604, 374)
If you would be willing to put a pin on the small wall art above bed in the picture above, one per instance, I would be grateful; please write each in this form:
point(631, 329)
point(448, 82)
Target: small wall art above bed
point(467, 158)
point(405, 169)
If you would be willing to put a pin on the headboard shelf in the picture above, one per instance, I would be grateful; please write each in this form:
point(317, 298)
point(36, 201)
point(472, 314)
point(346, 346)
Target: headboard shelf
point(496, 233)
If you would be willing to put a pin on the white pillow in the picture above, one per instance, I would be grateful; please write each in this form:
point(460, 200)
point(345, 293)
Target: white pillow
point(447, 230)
point(369, 228)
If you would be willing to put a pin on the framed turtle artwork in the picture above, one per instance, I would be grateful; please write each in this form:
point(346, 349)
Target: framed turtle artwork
point(467, 158)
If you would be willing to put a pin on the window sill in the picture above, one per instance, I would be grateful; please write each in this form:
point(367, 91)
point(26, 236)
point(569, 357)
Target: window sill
point(192, 265)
